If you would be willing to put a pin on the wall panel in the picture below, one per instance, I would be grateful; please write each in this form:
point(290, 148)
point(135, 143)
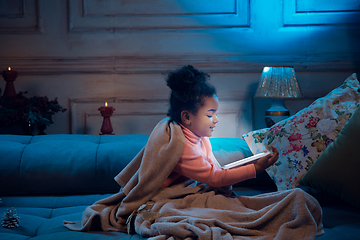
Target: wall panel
point(312, 13)
point(114, 15)
point(19, 16)
point(87, 51)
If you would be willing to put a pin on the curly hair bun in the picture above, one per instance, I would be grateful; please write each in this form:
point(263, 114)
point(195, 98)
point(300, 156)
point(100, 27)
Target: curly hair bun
point(187, 82)
point(189, 87)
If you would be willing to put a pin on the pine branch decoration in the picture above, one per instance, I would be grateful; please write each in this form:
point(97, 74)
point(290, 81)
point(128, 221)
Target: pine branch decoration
point(11, 219)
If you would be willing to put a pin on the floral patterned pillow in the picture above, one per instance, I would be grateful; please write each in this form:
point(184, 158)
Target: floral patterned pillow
point(301, 138)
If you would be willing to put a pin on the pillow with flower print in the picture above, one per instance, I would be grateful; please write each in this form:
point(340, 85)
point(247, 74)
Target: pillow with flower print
point(301, 138)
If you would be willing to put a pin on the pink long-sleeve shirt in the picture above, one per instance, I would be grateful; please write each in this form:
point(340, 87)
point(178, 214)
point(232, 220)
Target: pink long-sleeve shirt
point(197, 162)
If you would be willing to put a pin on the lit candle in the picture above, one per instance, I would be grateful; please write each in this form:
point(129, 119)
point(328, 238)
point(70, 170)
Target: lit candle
point(106, 112)
point(9, 76)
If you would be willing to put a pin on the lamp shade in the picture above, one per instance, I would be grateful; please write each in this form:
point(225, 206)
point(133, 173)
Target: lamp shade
point(278, 82)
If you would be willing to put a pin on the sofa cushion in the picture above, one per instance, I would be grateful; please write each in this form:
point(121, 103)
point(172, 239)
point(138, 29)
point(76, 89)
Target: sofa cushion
point(61, 164)
point(336, 169)
point(230, 148)
point(42, 218)
point(301, 138)
point(65, 163)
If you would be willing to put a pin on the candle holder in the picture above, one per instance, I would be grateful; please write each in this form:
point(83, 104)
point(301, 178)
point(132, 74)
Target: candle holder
point(9, 76)
point(106, 112)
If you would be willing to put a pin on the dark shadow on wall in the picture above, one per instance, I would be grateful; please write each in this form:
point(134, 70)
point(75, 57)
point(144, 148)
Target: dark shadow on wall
point(354, 43)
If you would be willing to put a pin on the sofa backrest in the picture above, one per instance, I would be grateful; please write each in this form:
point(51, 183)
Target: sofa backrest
point(70, 164)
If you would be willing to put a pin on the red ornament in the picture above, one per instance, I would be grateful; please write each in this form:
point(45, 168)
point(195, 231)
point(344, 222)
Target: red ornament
point(106, 112)
point(9, 76)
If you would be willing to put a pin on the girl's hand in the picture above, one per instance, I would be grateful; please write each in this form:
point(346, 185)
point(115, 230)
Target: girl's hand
point(266, 161)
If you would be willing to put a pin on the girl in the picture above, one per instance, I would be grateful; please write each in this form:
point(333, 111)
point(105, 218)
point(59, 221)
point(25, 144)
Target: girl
point(173, 190)
point(193, 105)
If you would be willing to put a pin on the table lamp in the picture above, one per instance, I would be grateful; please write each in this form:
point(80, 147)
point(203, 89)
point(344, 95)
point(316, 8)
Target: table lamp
point(277, 83)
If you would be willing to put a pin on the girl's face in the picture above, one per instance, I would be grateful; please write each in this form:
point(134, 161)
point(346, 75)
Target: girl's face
point(203, 122)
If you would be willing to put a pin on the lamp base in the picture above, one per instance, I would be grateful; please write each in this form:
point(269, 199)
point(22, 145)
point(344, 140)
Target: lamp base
point(276, 113)
point(277, 108)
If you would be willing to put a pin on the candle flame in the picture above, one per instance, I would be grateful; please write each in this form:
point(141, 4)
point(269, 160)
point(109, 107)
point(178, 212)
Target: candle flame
point(106, 104)
point(9, 68)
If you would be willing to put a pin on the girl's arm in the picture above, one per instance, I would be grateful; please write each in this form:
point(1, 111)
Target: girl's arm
point(196, 166)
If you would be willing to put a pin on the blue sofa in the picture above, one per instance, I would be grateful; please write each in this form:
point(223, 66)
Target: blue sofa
point(51, 178)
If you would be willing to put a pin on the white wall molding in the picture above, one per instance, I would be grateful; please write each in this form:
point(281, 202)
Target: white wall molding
point(133, 116)
point(130, 116)
point(158, 64)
